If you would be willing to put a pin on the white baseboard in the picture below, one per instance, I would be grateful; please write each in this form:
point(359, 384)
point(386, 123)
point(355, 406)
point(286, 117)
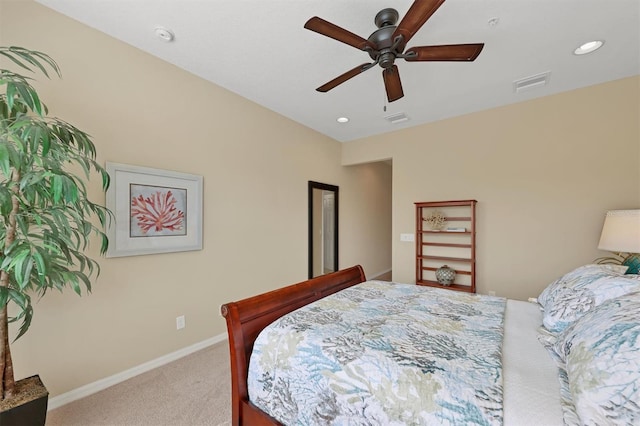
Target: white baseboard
point(102, 384)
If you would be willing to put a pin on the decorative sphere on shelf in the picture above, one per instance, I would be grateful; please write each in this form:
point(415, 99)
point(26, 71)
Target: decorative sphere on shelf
point(445, 275)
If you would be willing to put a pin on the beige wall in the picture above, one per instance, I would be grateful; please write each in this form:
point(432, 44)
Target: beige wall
point(544, 173)
point(255, 165)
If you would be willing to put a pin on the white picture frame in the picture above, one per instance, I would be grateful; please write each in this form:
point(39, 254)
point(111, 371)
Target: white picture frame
point(155, 211)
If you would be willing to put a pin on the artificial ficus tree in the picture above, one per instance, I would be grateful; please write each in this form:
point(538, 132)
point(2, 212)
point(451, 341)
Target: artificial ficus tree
point(46, 217)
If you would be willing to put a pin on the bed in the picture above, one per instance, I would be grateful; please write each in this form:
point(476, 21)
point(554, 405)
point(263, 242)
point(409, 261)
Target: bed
point(514, 369)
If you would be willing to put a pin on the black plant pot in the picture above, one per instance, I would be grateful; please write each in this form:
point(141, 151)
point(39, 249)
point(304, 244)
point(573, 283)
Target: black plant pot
point(30, 408)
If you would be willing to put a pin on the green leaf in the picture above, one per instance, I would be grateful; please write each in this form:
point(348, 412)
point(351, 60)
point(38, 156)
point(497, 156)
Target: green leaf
point(11, 93)
point(75, 284)
point(70, 190)
point(46, 58)
point(33, 57)
point(85, 280)
point(25, 94)
point(106, 180)
point(23, 224)
point(104, 244)
point(15, 60)
point(57, 186)
point(26, 311)
point(5, 165)
point(41, 265)
point(37, 105)
point(27, 267)
point(18, 267)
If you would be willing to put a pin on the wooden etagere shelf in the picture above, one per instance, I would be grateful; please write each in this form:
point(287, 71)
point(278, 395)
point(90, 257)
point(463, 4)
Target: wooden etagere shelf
point(454, 248)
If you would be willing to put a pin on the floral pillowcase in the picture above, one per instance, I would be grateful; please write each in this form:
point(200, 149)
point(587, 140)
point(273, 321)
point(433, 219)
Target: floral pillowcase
point(599, 360)
point(571, 296)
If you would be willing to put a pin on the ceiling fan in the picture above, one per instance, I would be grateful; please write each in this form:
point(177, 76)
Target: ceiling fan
point(388, 43)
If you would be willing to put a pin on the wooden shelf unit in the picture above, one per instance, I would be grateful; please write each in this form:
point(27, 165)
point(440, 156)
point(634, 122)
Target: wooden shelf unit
point(457, 249)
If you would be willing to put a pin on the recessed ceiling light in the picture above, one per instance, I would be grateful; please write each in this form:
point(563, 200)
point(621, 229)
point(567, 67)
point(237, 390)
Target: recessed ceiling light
point(164, 33)
point(588, 47)
point(342, 120)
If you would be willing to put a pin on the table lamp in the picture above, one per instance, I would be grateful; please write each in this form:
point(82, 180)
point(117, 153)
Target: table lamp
point(621, 235)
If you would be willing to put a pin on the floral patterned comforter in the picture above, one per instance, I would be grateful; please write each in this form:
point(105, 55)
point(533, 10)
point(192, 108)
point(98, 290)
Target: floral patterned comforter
point(382, 353)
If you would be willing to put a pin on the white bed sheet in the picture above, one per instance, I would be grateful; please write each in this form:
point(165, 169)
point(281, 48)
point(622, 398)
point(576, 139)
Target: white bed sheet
point(531, 386)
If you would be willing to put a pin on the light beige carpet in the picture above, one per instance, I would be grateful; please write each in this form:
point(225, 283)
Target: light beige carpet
point(384, 277)
point(192, 391)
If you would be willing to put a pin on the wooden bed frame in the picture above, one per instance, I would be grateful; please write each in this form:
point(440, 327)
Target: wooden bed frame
point(246, 319)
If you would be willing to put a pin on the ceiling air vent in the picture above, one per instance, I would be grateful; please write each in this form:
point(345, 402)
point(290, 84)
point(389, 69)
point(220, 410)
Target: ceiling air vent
point(532, 82)
point(400, 117)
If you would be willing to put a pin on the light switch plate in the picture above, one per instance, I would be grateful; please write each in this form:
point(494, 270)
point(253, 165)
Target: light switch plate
point(407, 237)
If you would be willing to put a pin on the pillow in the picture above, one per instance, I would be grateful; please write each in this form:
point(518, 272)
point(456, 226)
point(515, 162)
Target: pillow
point(574, 294)
point(600, 354)
point(581, 272)
point(633, 263)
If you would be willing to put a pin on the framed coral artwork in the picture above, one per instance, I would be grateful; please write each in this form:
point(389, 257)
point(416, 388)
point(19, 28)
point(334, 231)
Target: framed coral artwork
point(155, 211)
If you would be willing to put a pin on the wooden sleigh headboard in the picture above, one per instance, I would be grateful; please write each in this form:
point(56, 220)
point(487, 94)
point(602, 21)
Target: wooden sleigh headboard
point(246, 319)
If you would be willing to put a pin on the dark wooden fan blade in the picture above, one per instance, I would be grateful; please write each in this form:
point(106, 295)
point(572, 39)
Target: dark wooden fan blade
point(416, 16)
point(328, 29)
point(343, 77)
point(392, 83)
point(451, 52)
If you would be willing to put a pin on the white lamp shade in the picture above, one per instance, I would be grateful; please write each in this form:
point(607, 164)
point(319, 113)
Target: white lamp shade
point(621, 231)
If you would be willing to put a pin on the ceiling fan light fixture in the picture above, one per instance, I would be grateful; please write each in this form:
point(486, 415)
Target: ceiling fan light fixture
point(388, 42)
point(588, 47)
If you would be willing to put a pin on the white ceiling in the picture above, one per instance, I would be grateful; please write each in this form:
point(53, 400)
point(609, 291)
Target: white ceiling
point(260, 50)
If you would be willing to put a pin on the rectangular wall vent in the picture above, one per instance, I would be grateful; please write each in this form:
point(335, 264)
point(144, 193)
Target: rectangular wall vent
point(532, 82)
point(397, 118)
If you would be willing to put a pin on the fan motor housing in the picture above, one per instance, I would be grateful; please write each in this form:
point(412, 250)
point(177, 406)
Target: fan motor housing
point(382, 38)
point(385, 52)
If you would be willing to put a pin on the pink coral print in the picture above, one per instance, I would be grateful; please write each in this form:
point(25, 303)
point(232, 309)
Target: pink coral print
point(157, 212)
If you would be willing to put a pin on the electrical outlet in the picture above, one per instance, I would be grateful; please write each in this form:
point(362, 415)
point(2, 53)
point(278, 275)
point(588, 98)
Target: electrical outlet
point(180, 324)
